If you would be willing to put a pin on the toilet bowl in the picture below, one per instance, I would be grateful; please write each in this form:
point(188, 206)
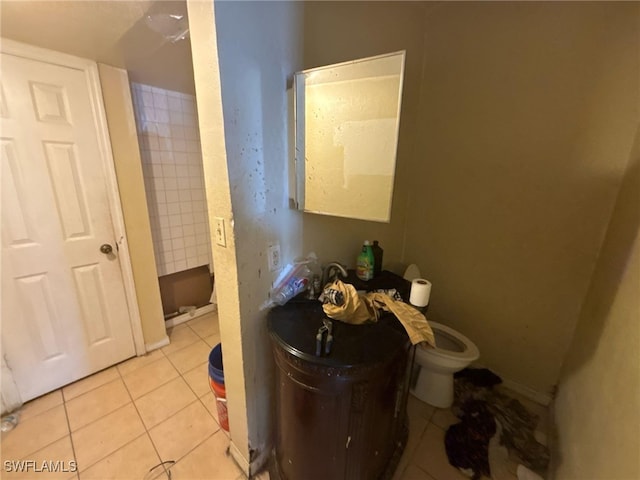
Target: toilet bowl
point(453, 352)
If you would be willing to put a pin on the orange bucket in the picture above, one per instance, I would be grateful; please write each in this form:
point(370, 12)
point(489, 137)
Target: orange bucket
point(221, 403)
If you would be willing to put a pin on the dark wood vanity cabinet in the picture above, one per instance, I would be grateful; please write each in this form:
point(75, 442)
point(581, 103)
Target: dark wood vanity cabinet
point(341, 415)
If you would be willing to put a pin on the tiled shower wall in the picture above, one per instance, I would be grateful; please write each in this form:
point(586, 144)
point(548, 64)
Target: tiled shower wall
point(167, 124)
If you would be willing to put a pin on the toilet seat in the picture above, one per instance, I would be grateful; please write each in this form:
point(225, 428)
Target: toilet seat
point(434, 383)
point(468, 350)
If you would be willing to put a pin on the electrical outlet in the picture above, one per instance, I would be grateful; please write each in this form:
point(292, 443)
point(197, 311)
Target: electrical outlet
point(273, 254)
point(219, 234)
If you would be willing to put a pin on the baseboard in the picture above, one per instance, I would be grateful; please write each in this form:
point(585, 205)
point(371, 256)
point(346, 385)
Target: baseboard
point(259, 461)
point(534, 395)
point(185, 317)
point(154, 346)
point(541, 398)
point(239, 459)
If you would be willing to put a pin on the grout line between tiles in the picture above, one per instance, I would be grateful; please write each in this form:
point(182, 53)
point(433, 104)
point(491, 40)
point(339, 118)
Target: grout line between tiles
point(70, 432)
point(182, 348)
point(146, 430)
point(26, 456)
point(157, 386)
point(20, 410)
point(120, 376)
point(73, 447)
point(198, 399)
point(188, 452)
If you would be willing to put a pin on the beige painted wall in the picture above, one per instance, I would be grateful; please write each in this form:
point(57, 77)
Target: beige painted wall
point(245, 160)
point(598, 404)
point(341, 31)
point(211, 123)
point(126, 156)
point(527, 114)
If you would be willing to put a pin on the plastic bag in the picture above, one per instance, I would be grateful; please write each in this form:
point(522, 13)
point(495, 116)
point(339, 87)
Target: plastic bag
point(293, 279)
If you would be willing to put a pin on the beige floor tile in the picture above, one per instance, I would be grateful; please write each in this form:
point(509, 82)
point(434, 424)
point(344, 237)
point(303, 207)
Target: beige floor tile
point(41, 404)
point(414, 473)
point(150, 377)
point(106, 435)
point(182, 432)
point(430, 456)
point(96, 403)
point(54, 462)
point(198, 379)
point(164, 401)
point(418, 407)
point(206, 325)
point(33, 434)
point(180, 336)
point(134, 363)
point(132, 461)
point(191, 356)
point(444, 418)
point(213, 340)
point(209, 460)
point(89, 383)
point(209, 402)
point(417, 426)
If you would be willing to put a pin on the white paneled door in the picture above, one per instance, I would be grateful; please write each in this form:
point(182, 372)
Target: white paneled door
point(64, 307)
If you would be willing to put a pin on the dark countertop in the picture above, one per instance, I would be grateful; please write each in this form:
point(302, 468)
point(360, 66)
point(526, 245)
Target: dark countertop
point(294, 327)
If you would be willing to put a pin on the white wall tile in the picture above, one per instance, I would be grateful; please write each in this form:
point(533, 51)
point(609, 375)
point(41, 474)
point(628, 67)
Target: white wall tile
point(172, 196)
point(174, 103)
point(187, 218)
point(185, 195)
point(175, 220)
point(173, 209)
point(177, 243)
point(184, 183)
point(168, 135)
point(160, 100)
point(147, 99)
point(171, 183)
point(176, 232)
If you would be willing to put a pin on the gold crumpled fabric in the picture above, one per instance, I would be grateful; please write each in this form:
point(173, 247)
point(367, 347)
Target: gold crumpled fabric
point(358, 309)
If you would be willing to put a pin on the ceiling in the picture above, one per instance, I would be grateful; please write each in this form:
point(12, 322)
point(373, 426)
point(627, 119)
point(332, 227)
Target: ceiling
point(111, 32)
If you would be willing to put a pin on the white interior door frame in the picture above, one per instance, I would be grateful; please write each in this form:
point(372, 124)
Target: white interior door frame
point(90, 70)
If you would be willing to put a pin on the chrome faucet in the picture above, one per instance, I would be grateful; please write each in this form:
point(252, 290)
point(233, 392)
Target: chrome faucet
point(329, 273)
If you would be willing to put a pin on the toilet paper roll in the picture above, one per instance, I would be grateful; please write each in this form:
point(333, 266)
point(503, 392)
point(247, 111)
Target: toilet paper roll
point(420, 292)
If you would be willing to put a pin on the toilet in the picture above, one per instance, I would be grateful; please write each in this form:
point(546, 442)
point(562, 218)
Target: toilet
point(435, 366)
point(453, 352)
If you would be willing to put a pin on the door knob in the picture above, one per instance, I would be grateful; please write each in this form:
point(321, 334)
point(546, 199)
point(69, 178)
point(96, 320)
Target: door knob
point(106, 248)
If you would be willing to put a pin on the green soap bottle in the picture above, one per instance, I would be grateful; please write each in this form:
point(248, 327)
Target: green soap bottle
point(364, 264)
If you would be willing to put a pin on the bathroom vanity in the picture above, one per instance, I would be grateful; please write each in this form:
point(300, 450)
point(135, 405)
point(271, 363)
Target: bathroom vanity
point(342, 414)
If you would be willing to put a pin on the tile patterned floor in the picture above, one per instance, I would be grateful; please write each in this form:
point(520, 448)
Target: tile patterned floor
point(122, 421)
point(425, 458)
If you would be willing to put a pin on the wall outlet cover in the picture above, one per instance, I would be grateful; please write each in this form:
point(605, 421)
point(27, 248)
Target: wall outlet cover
point(273, 255)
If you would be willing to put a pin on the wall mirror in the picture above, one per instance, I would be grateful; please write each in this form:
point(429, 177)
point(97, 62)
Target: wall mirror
point(346, 133)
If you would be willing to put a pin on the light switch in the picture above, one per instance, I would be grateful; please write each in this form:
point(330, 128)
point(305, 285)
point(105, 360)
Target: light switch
point(219, 234)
